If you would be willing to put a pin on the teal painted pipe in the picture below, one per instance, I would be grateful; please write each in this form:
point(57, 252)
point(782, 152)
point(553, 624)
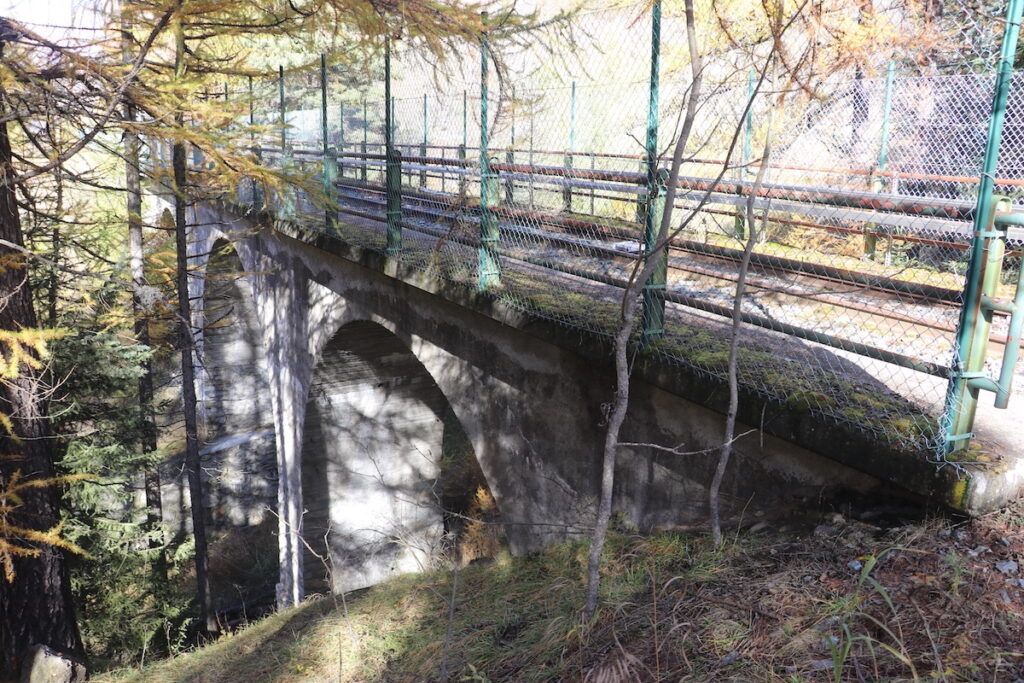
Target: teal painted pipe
point(1012, 350)
point(961, 401)
point(653, 320)
point(489, 265)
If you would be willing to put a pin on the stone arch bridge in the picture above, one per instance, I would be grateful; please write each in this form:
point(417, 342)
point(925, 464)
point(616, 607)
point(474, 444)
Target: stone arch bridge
point(333, 382)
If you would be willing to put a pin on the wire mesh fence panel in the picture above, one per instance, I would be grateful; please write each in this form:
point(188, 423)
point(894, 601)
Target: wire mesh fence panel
point(542, 184)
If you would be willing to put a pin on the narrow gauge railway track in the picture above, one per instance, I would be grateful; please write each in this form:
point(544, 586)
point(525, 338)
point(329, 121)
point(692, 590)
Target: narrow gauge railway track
point(706, 262)
point(921, 293)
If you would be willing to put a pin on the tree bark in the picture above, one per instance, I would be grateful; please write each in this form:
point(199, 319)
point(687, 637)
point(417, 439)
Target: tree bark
point(188, 390)
point(37, 607)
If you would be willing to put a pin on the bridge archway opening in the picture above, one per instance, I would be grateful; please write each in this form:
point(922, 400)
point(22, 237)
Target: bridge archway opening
point(390, 481)
point(238, 451)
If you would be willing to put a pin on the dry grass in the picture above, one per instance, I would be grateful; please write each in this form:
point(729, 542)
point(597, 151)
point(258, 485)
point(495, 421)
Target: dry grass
point(833, 598)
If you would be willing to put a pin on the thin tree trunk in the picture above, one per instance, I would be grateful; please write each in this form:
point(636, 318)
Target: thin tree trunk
point(630, 301)
point(188, 389)
point(54, 280)
point(737, 322)
point(37, 607)
point(188, 381)
point(136, 256)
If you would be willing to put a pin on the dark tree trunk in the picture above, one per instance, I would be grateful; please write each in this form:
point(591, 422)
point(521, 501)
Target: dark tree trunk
point(37, 607)
point(188, 391)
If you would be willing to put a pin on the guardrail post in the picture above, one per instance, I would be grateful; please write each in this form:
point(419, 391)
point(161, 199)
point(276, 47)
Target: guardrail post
point(281, 108)
point(593, 167)
point(330, 159)
point(489, 266)
point(653, 323)
point(197, 154)
point(870, 236)
point(257, 201)
point(341, 140)
point(983, 267)
point(740, 220)
point(567, 189)
point(392, 164)
point(366, 132)
point(510, 158)
point(287, 208)
point(423, 147)
point(463, 182)
point(530, 160)
point(991, 244)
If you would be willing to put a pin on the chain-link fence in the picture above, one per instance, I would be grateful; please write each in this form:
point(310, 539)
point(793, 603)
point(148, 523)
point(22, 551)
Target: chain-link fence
point(542, 180)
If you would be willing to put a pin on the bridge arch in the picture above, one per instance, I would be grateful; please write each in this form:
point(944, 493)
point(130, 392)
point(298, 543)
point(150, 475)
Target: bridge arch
point(237, 414)
point(388, 472)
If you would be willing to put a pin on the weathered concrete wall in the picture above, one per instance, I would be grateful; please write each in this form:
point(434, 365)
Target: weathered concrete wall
point(532, 410)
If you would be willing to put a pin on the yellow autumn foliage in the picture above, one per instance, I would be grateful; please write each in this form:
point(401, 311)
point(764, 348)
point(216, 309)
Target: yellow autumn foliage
point(17, 541)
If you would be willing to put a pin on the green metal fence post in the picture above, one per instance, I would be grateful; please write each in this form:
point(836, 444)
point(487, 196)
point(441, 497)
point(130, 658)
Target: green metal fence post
point(287, 208)
point(870, 237)
point(567, 189)
point(463, 183)
point(653, 324)
point(489, 266)
point(530, 160)
point(281, 109)
point(883, 149)
point(740, 220)
point(366, 133)
point(593, 167)
point(197, 154)
point(510, 158)
point(423, 147)
point(330, 156)
point(392, 164)
point(341, 139)
point(257, 201)
point(973, 329)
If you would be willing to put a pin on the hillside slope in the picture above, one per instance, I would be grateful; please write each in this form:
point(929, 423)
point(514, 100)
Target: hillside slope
point(826, 598)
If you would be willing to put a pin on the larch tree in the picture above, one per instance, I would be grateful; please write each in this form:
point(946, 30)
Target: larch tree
point(39, 83)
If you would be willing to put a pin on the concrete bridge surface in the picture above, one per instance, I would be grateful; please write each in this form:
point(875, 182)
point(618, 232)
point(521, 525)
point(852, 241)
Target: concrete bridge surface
point(354, 397)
